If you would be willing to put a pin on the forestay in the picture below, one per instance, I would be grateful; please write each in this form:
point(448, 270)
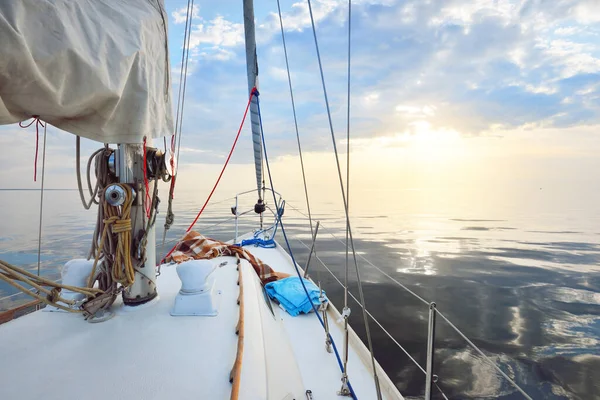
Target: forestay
point(96, 68)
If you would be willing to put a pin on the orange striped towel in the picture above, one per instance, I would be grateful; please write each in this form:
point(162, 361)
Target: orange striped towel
point(194, 246)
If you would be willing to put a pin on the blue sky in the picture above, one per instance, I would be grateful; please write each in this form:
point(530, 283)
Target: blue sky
point(472, 67)
point(519, 74)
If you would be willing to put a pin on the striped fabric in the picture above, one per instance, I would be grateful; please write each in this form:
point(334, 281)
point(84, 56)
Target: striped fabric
point(194, 246)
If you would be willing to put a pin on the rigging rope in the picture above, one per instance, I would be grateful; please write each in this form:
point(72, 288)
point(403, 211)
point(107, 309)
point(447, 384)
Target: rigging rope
point(337, 160)
point(101, 169)
point(12, 274)
point(38, 122)
point(316, 311)
point(253, 93)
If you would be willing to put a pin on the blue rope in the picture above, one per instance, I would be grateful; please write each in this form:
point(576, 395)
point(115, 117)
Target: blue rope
point(316, 311)
point(268, 243)
point(258, 242)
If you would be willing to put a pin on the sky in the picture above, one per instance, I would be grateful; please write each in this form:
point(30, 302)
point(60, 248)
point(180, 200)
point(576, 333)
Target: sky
point(443, 92)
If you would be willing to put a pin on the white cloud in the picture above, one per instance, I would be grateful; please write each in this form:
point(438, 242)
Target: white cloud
point(416, 111)
point(540, 89)
point(214, 35)
point(567, 31)
point(218, 33)
point(278, 73)
point(588, 12)
point(573, 57)
point(179, 15)
point(370, 98)
point(466, 13)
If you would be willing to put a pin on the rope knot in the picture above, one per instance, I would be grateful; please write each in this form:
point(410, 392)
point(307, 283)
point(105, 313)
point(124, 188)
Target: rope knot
point(54, 295)
point(254, 92)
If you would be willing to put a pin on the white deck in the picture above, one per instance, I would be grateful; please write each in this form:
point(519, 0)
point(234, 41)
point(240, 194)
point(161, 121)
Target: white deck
point(146, 353)
point(320, 370)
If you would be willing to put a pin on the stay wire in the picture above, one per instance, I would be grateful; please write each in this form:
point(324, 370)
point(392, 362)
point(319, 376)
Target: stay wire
point(39, 255)
point(181, 76)
point(289, 247)
point(190, 17)
point(347, 185)
point(287, 65)
point(179, 116)
point(337, 159)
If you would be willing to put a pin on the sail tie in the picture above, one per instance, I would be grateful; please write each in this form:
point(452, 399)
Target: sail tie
point(38, 123)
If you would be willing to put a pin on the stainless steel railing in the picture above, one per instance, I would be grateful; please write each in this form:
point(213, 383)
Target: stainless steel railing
point(237, 215)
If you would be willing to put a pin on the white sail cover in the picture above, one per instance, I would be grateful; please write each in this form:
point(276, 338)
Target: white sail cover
point(96, 68)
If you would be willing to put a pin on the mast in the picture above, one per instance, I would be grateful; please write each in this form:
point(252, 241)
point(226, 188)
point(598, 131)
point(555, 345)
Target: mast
point(252, 69)
point(130, 166)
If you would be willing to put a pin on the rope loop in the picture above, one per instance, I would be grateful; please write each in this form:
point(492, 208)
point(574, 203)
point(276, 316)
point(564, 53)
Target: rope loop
point(38, 123)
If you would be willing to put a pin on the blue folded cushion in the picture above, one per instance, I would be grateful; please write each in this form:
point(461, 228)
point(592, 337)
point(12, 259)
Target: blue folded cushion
point(291, 295)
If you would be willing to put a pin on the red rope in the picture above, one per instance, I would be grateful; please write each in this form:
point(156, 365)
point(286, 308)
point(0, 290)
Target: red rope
point(147, 201)
point(172, 162)
point(36, 119)
point(252, 93)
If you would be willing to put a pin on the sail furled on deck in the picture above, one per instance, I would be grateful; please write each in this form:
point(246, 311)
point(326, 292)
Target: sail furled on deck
point(96, 68)
point(252, 69)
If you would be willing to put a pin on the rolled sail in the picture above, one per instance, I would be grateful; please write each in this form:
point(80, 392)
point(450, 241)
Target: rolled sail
point(96, 68)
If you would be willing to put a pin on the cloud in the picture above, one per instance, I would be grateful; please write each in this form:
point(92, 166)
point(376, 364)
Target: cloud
point(446, 66)
point(217, 32)
point(180, 14)
point(416, 111)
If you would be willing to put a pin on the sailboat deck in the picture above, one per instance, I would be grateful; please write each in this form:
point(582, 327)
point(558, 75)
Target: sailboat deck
point(320, 369)
point(143, 353)
point(147, 353)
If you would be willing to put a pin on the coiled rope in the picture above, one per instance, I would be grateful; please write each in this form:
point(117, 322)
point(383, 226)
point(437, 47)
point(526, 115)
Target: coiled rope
point(103, 178)
point(114, 249)
point(117, 266)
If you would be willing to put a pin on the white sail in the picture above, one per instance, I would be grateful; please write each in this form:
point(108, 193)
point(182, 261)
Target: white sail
point(96, 68)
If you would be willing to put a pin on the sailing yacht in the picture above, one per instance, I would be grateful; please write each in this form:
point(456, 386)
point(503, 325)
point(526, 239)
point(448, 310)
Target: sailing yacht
point(210, 319)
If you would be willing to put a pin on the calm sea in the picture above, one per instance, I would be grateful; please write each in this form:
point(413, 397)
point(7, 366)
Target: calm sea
point(519, 276)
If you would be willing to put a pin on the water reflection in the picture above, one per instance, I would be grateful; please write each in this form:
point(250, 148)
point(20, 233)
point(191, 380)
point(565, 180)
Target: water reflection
point(529, 298)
